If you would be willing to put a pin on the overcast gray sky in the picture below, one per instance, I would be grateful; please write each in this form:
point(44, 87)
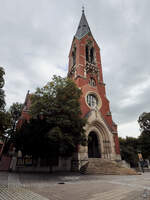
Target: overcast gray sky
point(35, 39)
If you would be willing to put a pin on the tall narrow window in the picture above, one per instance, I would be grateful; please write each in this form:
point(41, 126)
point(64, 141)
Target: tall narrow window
point(92, 82)
point(87, 52)
point(74, 56)
point(92, 55)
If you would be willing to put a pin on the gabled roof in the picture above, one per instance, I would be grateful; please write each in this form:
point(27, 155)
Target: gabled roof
point(83, 27)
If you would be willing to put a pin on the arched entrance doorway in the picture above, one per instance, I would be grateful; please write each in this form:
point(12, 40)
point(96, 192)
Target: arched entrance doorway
point(93, 146)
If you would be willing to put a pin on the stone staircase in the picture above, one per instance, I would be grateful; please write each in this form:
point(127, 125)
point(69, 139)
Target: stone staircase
point(5, 163)
point(146, 169)
point(103, 166)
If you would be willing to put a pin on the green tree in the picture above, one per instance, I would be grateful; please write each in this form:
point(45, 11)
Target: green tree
point(144, 122)
point(15, 112)
point(9, 119)
point(144, 139)
point(9, 122)
point(32, 138)
point(3, 114)
point(2, 96)
point(129, 148)
point(56, 109)
point(5, 122)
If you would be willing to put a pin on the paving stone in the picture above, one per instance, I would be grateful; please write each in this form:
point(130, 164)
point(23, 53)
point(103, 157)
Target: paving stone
point(18, 193)
point(45, 186)
point(113, 195)
point(14, 190)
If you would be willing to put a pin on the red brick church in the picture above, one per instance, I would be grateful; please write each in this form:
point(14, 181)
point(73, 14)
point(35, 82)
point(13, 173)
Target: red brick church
point(85, 69)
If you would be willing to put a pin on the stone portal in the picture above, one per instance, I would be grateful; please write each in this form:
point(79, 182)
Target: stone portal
point(93, 146)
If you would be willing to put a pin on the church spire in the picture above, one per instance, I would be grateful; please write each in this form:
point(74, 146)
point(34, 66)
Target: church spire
point(83, 27)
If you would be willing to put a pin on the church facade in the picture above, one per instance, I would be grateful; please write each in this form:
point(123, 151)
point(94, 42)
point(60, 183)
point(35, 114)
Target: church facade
point(85, 69)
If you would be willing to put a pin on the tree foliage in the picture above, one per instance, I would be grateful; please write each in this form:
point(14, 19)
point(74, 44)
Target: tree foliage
point(144, 139)
point(15, 110)
point(3, 113)
point(129, 148)
point(56, 107)
point(7, 118)
point(2, 96)
point(32, 138)
point(144, 144)
point(144, 122)
point(14, 114)
point(5, 122)
point(9, 121)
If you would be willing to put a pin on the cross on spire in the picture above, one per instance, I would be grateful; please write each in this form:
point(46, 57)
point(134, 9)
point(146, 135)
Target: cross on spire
point(83, 8)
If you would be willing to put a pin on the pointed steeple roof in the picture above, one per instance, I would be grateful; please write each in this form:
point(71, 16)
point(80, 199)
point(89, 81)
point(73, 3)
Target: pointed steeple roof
point(83, 27)
point(27, 98)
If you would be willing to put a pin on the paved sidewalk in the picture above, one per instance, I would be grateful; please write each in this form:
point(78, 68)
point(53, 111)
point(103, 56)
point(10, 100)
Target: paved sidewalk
point(73, 186)
point(18, 193)
point(14, 190)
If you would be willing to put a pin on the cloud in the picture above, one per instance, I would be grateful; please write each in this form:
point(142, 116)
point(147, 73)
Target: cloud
point(126, 129)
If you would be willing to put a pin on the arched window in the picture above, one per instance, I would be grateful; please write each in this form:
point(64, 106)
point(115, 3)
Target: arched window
point(92, 82)
point(74, 56)
point(94, 150)
point(87, 52)
point(92, 100)
point(92, 55)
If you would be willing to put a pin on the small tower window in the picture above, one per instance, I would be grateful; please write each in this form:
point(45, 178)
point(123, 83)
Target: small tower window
point(92, 100)
point(92, 55)
point(92, 82)
point(87, 52)
point(74, 56)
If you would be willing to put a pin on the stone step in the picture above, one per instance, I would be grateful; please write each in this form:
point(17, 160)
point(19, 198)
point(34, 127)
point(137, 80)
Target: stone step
point(103, 166)
point(146, 169)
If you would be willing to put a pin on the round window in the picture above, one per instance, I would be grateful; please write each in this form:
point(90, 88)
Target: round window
point(92, 100)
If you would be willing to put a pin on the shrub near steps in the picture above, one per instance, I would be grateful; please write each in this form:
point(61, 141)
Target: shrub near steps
point(103, 166)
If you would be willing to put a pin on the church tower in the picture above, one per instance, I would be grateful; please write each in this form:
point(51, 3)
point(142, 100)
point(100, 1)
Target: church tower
point(85, 69)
